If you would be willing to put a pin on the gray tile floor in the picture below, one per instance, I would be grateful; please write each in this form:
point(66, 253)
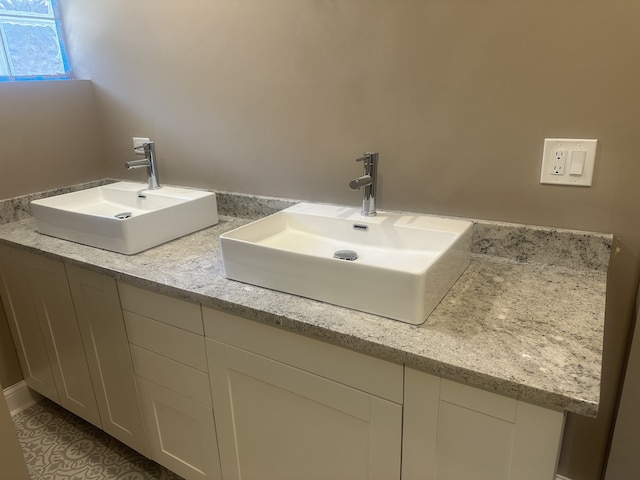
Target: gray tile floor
point(57, 445)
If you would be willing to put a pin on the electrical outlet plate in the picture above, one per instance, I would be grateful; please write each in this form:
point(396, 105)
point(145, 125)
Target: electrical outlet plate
point(138, 142)
point(568, 161)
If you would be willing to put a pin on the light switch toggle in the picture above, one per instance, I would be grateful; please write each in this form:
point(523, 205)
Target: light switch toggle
point(576, 164)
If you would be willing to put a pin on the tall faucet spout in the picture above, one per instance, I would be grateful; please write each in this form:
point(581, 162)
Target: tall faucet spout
point(149, 161)
point(369, 182)
point(133, 164)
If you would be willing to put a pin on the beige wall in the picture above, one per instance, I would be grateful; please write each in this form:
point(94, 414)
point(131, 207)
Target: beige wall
point(49, 136)
point(279, 98)
point(456, 95)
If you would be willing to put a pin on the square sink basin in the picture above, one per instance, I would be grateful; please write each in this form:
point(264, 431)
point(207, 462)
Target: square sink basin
point(125, 217)
point(394, 265)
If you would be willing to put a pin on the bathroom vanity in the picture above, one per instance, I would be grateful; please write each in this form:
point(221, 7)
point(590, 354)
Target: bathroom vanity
point(219, 379)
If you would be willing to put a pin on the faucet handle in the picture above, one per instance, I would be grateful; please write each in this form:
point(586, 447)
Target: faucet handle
point(368, 158)
point(143, 148)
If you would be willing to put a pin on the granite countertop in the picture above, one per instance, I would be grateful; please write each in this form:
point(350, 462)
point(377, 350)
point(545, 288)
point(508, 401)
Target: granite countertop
point(525, 319)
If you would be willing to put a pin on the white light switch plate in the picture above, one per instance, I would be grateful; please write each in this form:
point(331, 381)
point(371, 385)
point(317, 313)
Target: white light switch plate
point(138, 142)
point(576, 157)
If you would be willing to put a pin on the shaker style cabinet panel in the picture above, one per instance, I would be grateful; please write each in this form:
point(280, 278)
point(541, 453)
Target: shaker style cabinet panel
point(164, 309)
point(211, 395)
point(170, 365)
point(369, 374)
point(72, 344)
point(24, 324)
point(55, 310)
point(188, 382)
point(107, 349)
point(182, 432)
point(180, 345)
point(276, 421)
point(453, 431)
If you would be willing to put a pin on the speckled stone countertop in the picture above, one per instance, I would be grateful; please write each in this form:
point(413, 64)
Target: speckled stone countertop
point(520, 321)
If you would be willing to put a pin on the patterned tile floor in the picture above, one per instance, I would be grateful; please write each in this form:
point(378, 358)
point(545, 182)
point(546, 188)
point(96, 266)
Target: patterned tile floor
point(57, 445)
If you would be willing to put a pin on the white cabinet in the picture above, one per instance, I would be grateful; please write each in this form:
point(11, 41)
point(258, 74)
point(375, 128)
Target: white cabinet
point(69, 332)
point(210, 395)
point(181, 432)
point(454, 432)
point(97, 305)
point(61, 334)
point(24, 324)
point(170, 363)
point(288, 407)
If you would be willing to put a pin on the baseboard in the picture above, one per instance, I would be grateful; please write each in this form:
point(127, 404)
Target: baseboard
point(560, 477)
point(19, 397)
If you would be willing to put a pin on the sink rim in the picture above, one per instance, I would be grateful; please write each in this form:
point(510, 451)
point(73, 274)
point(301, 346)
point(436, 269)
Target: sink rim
point(67, 202)
point(61, 216)
point(288, 219)
point(251, 256)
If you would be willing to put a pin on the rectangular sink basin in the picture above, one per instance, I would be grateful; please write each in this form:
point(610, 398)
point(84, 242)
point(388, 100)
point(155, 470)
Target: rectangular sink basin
point(125, 217)
point(394, 265)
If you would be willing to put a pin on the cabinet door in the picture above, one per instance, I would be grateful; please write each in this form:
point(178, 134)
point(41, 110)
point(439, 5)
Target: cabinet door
point(182, 433)
point(54, 306)
point(277, 422)
point(106, 346)
point(455, 432)
point(24, 324)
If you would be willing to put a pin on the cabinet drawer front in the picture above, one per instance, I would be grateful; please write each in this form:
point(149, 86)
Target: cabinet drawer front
point(172, 311)
point(179, 345)
point(186, 381)
point(379, 377)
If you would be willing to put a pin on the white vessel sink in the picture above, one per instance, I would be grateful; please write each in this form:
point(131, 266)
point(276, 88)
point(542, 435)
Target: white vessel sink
point(405, 263)
point(125, 217)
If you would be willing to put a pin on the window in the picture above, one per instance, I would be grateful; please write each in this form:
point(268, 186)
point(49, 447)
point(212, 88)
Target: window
point(31, 45)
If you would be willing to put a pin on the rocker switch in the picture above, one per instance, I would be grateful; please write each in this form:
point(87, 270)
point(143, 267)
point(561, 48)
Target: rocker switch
point(576, 164)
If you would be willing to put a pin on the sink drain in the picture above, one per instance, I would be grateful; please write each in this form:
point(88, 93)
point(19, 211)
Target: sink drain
point(123, 215)
point(349, 255)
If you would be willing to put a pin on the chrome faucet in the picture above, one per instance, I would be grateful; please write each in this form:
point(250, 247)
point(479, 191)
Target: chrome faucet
point(148, 161)
point(369, 182)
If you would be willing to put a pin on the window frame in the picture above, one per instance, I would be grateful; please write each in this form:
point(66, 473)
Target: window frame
point(4, 48)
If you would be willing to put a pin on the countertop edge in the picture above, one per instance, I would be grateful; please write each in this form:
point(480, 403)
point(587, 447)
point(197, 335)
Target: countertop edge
point(501, 386)
point(504, 386)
